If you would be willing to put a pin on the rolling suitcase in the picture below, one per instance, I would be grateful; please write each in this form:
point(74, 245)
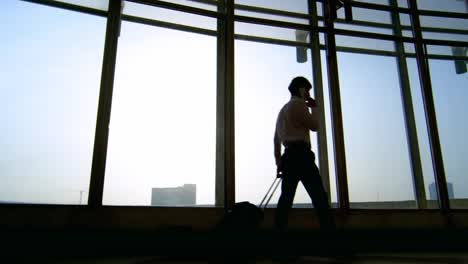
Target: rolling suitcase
point(245, 216)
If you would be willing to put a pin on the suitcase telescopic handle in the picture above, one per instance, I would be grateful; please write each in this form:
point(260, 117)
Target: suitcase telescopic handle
point(270, 192)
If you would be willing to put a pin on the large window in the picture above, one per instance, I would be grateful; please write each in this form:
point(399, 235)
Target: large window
point(162, 140)
point(163, 123)
point(50, 75)
point(377, 158)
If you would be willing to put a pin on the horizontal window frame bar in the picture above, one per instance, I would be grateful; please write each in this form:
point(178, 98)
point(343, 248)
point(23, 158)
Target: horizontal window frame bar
point(378, 36)
point(169, 25)
point(442, 14)
point(366, 51)
point(191, 208)
point(69, 7)
point(275, 23)
point(404, 10)
point(447, 57)
point(394, 54)
point(438, 30)
point(35, 206)
point(270, 11)
point(450, 43)
point(273, 41)
point(24, 217)
point(364, 23)
point(378, 7)
point(207, 2)
point(178, 7)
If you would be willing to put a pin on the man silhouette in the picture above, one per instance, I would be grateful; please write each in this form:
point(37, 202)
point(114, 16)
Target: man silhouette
point(298, 161)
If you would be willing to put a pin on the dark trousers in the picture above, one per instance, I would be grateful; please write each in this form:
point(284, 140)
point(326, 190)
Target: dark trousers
point(298, 163)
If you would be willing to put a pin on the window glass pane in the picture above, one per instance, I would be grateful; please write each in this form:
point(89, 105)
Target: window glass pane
point(458, 6)
point(363, 17)
point(271, 32)
point(446, 50)
point(379, 2)
point(405, 20)
point(263, 73)
point(365, 14)
point(377, 30)
point(322, 39)
point(212, 6)
point(298, 6)
point(377, 158)
point(364, 43)
point(409, 49)
point(99, 4)
point(163, 123)
point(450, 93)
point(401, 3)
point(272, 17)
point(320, 8)
point(48, 102)
point(171, 16)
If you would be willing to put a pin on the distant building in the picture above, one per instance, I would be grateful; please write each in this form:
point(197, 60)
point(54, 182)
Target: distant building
point(433, 191)
point(177, 196)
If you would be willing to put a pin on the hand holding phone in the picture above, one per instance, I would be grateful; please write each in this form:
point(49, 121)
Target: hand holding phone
point(310, 102)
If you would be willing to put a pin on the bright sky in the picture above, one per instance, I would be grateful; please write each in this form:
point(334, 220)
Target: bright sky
point(163, 122)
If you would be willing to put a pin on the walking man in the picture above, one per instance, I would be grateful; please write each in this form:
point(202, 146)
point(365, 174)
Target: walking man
point(298, 161)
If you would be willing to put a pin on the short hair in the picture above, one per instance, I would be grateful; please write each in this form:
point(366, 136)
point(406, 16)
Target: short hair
point(299, 82)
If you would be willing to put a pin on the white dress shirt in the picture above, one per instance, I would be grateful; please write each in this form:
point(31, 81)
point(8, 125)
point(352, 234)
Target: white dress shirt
point(295, 121)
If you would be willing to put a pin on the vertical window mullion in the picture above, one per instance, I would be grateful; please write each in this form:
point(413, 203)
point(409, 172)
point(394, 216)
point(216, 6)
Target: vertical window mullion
point(101, 137)
point(318, 89)
point(229, 114)
point(225, 182)
point(220, 184)
point(335, 106)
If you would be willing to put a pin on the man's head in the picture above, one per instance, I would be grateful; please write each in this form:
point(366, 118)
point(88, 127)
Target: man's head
point(300, 87)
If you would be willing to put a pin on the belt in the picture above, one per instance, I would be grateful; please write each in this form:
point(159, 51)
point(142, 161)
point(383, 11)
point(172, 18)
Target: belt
point(299, 143)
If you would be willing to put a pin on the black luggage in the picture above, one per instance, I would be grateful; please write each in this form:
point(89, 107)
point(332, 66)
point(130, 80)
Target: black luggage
point(245, 216)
